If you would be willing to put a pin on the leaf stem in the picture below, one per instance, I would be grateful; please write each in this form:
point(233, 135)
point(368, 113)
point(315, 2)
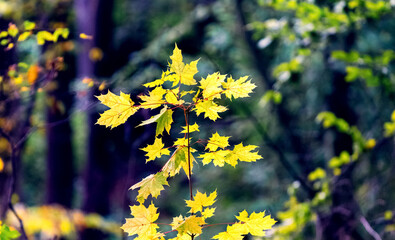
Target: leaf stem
point(189, 156)
point(186, 113)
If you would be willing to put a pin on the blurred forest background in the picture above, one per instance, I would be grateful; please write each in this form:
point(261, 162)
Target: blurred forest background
point(322, 113)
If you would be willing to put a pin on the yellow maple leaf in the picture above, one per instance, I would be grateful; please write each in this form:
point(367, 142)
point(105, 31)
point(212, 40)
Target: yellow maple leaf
point(210, 109)
point(142, 222)
point(182, 142)
point(217, 157)
point(155, 150)
point(256, 223)
point(154, 98)
point(212, 86)
point(232, 233)
point(208, 213)
point(238, 89)
point(151, 185)
point(189, 225)
point(121, 108)
point(177, 64)
point(242, 153)
point(172, 97)
point(184, 72)
point(216, 141)
point(201, 200)
point(192, 128)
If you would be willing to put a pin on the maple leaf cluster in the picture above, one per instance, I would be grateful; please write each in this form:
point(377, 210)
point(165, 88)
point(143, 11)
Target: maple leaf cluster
point(169, 93)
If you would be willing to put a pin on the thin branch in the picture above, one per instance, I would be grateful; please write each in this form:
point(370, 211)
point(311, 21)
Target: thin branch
point(261, 65)
point(283, 159)
point(12, 183)
point(186, 112)
point(369, 228)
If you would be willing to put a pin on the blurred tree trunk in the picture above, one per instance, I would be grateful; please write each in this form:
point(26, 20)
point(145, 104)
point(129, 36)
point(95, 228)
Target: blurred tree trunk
point(60, 167)
point(94, 17)
point(341, 221)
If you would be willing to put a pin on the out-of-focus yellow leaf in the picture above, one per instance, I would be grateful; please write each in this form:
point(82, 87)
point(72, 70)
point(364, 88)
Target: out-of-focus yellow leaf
point(1, 164)
point(12, 30)
point(95, 54)
point(32, 74)
point(85, 36)
point(24, 36)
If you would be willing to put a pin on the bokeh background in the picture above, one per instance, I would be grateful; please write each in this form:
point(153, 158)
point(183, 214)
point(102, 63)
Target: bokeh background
point(322, 113)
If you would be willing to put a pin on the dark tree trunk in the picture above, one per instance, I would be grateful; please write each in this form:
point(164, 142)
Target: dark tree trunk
point(60, 166)
point(95, 18)
point(341, 221)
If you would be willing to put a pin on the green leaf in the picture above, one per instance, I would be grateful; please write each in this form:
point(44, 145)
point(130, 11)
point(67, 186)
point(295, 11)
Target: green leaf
point(6, 233)
point(151, 185)
point(29, 25)
point(318, 173)
point(164, 120)
point(23, 36)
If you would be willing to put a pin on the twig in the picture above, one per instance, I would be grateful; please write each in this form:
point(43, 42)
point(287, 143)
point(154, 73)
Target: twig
point(12, 182)
point(189, 159)
point(369, 228)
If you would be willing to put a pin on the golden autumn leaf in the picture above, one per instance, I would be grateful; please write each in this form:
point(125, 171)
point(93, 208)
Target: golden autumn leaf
point(210, 109)
point(188, 225)
point(212, 86)
point(232, 233)
point(201, 200)
point(242, 153)
point(154, 98)
point(155, 150)
point(184, 72)
point(192, 128)
point(121, 108)
point(218, 157)
point(256, 223)
point(142, 222)
point(238, 89)
point(216, 141)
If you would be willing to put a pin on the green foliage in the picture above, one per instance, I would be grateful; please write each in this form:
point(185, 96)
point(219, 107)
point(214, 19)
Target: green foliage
point(372, 69)
point(389, 127)
point(6, 233)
